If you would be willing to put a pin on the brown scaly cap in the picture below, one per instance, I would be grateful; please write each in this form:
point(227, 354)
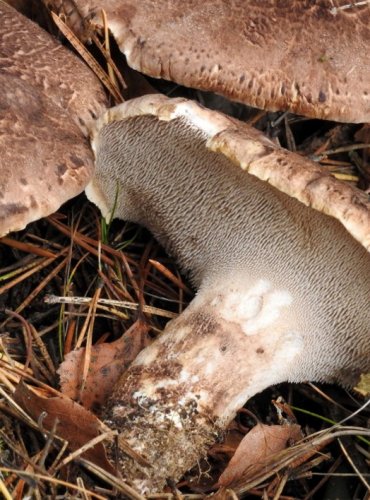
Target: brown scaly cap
point(289, 172)
point(47, 100)
point(306, 56)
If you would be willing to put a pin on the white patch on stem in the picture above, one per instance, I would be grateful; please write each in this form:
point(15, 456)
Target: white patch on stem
point(254, 309)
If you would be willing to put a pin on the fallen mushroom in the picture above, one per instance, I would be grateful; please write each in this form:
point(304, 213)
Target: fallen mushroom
point(47, 100)
point(307, 57)
point(279, 297)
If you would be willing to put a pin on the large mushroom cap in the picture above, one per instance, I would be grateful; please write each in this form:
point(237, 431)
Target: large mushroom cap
point(48, 97)
point(252, 151)
point(307, 56)
point(278, 295)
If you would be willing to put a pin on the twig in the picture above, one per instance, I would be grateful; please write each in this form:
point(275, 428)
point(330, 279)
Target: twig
point(54, 299)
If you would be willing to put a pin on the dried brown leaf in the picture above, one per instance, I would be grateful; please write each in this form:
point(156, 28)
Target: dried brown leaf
point(75, 424)
point(256, 449)
point(107, 363)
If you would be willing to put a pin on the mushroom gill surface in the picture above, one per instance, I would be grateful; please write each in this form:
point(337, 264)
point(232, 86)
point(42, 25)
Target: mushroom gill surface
point(282, 290)
point(48, 98)
point(306, 56)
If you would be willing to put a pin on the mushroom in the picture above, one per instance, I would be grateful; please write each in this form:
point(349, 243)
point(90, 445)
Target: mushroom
point(307, 57)
point(278, 296)
point(47, 100)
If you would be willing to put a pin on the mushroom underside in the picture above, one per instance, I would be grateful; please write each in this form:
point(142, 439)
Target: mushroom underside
point(277, 296)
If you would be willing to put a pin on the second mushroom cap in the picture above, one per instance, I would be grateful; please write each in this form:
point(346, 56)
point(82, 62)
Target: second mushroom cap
point(306, 56)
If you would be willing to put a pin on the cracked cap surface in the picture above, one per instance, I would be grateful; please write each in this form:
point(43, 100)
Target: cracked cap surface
point(47, 100)
point(306, 56)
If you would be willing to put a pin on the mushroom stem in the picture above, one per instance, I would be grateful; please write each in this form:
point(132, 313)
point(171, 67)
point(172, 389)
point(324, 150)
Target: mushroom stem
point(180, 393)
point(283, 290)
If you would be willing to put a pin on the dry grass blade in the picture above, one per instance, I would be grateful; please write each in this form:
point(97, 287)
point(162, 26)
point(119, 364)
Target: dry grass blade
point(281, 485)
point(4, 491)
point(112, 68)
point(53, 299)
point(38, 266)
point(43, 350)
point(27, 247)
point(27, 335)
point(122, 487)
point(35, 476)
point(42, 285)
point(346, 177)
point(83, 449)
point(168, 274)
point(88, 58)
point(18, 410)
point(79, 239)
point(353, 465)
point(90, 320)
point(342, 149)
